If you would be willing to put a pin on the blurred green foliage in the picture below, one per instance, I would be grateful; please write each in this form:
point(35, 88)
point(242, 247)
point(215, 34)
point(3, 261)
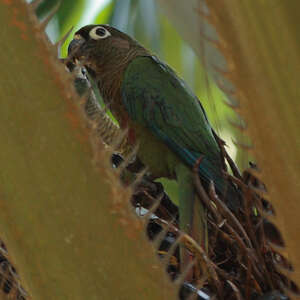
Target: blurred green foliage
point(143, 20)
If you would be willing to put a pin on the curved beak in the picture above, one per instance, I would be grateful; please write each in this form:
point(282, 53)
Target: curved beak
point(75, 44)
point(76, 53)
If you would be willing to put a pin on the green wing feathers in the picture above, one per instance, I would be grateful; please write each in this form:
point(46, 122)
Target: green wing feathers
point(155, 96)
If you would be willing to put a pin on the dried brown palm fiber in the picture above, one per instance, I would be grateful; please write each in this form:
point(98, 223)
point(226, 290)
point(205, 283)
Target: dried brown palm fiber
point(10, 286)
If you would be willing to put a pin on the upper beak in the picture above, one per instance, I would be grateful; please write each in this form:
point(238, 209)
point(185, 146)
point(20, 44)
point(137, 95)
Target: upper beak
point(75, 44)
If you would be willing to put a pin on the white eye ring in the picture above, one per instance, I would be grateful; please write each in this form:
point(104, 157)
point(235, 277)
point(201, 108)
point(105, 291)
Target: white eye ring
point(98, 33)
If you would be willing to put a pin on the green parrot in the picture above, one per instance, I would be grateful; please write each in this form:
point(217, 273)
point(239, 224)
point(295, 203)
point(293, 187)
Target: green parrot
point(162, 115)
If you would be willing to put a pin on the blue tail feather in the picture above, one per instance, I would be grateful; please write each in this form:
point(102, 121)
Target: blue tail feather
point(207, 170)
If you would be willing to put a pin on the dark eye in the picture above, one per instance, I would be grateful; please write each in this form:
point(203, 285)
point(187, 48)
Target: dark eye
point(98, 33)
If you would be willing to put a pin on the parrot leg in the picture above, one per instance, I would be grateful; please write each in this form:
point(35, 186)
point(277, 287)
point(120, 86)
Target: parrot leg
point(192, 214)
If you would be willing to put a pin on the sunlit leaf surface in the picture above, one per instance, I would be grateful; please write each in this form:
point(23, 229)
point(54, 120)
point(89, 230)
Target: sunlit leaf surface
point(69, 231)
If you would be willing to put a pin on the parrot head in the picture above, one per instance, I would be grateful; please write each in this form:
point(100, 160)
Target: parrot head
point(102, 48)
